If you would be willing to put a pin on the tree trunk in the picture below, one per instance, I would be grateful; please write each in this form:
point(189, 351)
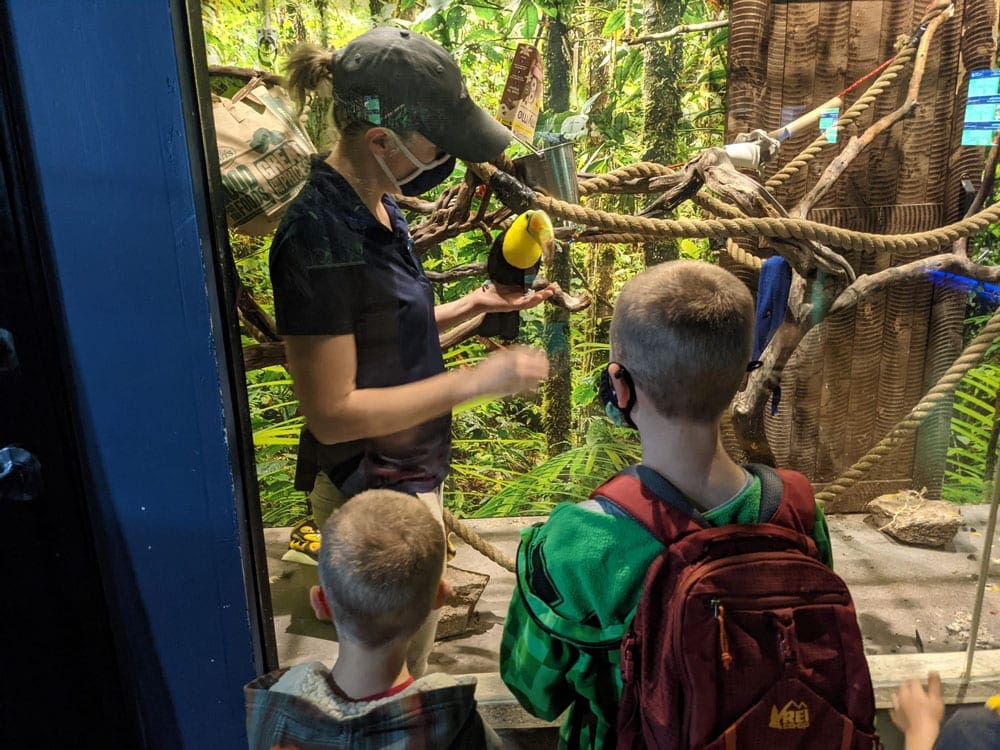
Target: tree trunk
point(661, 101)
point(600, 257)
point(556, 395)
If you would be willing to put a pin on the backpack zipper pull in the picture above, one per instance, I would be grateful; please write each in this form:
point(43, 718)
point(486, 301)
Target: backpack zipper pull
point(720, 615)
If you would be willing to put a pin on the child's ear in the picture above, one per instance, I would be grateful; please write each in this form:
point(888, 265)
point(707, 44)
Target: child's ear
point(444, 591)
point(319, 604)
point(623, 393)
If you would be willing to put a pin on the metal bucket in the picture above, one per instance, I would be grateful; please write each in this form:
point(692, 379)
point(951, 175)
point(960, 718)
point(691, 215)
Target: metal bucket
point(553, 169)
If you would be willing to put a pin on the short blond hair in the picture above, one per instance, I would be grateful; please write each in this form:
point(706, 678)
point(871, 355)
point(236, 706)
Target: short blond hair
point(380, 561)
point(684, 330)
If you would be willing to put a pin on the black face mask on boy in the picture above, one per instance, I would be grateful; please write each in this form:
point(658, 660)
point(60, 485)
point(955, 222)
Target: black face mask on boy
point(617, 414)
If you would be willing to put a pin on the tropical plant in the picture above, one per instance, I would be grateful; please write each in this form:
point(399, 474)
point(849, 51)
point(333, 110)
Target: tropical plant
point(973, 422)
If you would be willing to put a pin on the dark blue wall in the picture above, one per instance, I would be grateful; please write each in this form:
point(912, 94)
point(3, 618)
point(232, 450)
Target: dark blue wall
point(128, 235)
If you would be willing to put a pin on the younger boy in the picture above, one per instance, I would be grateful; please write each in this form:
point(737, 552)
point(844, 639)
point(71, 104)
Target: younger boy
point(380, 565)
point(918, 712)
point(681, 339)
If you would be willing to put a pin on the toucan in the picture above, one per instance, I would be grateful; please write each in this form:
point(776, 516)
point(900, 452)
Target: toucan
point(514, 260)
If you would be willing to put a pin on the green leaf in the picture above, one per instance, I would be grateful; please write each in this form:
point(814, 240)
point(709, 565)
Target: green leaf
point(584, 393)
point(530, 25)
point(615, 22)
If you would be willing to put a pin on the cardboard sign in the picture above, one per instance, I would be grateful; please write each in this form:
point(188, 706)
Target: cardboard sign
point(522, 94)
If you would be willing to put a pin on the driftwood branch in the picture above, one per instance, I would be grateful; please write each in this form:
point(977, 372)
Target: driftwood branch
point(228, 71)
point(258, 356)
point(869, 284)
point(569, 302)
point(714, 169)
point(749, 405)
point(686, 28)
point(463, 271)
point(267, 354)
point(461, 332)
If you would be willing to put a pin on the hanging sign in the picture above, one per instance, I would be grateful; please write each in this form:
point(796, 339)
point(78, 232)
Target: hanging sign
point(982, 108)
point(522, 94)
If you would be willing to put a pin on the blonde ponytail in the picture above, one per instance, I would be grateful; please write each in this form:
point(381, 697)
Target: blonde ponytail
point(309, 68)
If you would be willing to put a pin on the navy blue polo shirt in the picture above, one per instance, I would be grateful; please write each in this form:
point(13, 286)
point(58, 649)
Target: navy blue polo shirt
point(336, 270)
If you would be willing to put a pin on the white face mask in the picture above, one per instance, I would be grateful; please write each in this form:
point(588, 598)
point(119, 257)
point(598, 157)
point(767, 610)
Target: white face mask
point(419, 166)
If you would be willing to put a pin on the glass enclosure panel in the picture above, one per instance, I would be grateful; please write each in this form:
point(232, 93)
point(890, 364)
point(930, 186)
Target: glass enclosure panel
point(875, 371)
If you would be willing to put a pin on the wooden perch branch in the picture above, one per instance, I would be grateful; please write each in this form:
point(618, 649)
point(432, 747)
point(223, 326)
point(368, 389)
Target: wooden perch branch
point(869, 284)
point(267, 354)
point(714, 169)
point(461, 332)
point(463, 271)
point(686, 28)
point(228, 71)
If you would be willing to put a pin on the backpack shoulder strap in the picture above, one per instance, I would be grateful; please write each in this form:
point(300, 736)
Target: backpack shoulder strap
point(651, 501)
point(786, 498)
point(771, 490)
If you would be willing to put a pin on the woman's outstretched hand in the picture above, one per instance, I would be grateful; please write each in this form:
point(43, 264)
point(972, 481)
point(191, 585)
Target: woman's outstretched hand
point(516, 369)
point(492, 297)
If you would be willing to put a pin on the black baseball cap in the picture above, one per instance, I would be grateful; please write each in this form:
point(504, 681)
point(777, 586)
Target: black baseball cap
point(404, 81)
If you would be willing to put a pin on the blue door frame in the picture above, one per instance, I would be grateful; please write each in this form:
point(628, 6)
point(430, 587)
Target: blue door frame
point(115, 139)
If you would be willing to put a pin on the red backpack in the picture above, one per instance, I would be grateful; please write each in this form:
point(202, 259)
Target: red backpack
point(742, 637)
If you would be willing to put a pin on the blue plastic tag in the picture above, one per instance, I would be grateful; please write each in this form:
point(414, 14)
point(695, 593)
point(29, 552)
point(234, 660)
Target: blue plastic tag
point(982, 108)
point(828, 122)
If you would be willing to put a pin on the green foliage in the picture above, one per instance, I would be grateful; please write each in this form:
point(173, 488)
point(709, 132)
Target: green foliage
point(231, 29)
point(520, 489)
point(971, 425)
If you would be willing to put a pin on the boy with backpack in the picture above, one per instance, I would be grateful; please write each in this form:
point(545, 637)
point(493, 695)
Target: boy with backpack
point(664, 612)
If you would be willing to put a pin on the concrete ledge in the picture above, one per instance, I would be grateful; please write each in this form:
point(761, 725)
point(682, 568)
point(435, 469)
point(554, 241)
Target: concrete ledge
point(502, 711)
point(891, 670)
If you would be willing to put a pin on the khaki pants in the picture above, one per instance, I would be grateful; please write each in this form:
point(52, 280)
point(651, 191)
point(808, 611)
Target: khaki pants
point(325, 499)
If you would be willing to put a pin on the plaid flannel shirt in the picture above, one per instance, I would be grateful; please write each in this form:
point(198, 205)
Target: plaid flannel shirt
point(436, 712)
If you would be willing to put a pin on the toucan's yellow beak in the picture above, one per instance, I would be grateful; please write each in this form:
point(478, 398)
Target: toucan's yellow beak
point(529, 238)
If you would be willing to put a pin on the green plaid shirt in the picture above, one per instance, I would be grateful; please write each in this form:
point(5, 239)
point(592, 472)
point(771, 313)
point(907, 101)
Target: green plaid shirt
point(436, 712)
point(579, 579)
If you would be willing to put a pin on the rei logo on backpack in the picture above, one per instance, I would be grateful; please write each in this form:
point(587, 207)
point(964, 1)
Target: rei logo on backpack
point(742, 637)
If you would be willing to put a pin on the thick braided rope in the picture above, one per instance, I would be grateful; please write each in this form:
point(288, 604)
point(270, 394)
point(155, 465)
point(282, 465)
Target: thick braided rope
point(940, 394)
point(640, 229)
point(470, 537)
point(640, 170)
point(885, 79)
point(742, 257)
